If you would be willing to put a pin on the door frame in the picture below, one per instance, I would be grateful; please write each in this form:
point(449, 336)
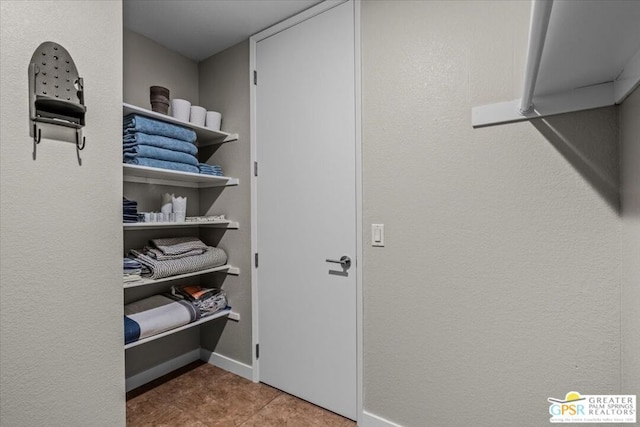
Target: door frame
point(253, 40)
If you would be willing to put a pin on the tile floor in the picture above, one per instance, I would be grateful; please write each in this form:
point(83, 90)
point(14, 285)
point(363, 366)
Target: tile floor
point(201, 395)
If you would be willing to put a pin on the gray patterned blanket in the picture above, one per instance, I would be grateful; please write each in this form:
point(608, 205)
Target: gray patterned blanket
point(171, 257)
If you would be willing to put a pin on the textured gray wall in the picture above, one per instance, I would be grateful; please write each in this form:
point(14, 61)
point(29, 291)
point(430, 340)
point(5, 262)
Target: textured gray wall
point(224, 87)
point(146, 63)
point(630, 137)
point(499, 281)
point(61, 357)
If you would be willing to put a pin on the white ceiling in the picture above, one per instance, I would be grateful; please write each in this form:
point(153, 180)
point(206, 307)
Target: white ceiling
point(198, 29)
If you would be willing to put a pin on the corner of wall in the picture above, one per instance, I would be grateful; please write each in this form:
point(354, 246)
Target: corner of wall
point(146, 63)
point(630, 241)
point(224, 87)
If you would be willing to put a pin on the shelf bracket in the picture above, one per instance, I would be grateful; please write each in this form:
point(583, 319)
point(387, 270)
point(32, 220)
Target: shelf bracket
point(585, 98)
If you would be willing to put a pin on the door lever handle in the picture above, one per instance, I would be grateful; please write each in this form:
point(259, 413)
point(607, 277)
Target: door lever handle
point(344, 261)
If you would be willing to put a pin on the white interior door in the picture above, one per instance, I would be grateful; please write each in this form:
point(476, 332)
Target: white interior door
point(306, 210)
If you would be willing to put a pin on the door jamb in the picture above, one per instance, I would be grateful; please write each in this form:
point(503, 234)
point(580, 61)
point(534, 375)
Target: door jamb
point(253, 40)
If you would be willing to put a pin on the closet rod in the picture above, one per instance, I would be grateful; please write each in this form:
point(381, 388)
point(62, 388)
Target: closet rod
point(540, 15)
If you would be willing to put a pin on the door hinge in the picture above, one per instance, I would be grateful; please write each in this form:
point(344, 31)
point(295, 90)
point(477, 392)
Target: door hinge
point(257, 351)
point(255, 260)
point(255, 77)
point(255, 168)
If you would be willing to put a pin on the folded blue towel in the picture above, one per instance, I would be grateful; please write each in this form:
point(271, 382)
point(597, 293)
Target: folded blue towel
point(131, 139)
point(150, 126)
point(162, 164)
point(208, 166)
point(160, 154)
point(207, 169)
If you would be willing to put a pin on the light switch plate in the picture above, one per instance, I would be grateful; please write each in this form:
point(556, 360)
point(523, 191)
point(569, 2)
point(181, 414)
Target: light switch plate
point(377, 234)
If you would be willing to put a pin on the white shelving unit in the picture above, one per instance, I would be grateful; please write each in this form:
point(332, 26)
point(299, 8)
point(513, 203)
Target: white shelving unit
point(155, 176)
point(206, 136)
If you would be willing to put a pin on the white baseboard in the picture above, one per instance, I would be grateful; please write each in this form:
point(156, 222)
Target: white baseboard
point(370, 420)
point(164, 368)
point(226, 363)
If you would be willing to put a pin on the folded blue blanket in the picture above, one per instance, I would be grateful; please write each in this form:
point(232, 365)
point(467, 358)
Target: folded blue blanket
point(131, 139)
point(150, 126)
point(160, 154)
point(162, 164)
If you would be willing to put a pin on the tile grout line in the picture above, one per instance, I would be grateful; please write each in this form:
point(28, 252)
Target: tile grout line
point(280, 393)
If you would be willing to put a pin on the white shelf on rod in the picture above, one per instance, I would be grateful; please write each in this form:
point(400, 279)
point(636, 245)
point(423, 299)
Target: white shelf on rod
point(590, 60)
point(147, 175)
point(205, 135)
point(145, 282)
point(157, 225)
point(219, 314)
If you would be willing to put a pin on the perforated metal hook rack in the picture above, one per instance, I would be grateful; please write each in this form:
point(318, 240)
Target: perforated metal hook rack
point(56, 92)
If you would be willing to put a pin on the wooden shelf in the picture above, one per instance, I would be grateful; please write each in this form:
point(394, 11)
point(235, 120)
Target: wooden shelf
point(146, 282)
point(158, 225)
point(147, 175)
point(219, 314)
point(205, 135)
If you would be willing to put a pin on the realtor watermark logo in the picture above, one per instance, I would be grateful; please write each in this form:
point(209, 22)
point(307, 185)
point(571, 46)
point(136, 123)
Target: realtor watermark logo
point(606, 408)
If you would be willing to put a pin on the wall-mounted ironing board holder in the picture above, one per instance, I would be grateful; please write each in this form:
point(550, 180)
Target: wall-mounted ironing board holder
point(56, 92)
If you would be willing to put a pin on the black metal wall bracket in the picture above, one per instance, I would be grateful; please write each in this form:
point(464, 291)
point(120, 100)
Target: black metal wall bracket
point(56, 92)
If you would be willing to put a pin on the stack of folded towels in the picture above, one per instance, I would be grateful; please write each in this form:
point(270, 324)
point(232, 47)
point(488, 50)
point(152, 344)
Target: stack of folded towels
point(177, 255)
point(206, 169)
point(132, 270)
point(129, 210)
point(157, 144)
